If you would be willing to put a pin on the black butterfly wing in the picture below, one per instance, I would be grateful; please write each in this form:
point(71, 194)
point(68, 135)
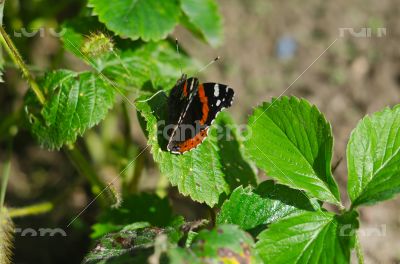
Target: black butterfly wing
point(218, 97)
point(205, 102)
point(178, 99)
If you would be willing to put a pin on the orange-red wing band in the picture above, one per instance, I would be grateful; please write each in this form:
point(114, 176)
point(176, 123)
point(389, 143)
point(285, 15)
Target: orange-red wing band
point(204, 103)
point(185, 93)
point(193, 142)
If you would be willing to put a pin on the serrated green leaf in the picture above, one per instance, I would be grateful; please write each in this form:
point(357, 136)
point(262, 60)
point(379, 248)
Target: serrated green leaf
point(291, 140)
point(269, 203)
point(223, 244)
point(74, 103)
point(197, 173)
point(373, 158)
point(145, 19)
point(311, 237)
point(204, 17)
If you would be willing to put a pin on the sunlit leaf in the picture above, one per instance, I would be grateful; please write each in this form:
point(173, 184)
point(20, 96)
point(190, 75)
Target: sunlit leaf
point(145, 19)
point(310, 237)
point(373, 158)
point(267, 204)
point(291, 140)
point(204, 18)
point(74, 103)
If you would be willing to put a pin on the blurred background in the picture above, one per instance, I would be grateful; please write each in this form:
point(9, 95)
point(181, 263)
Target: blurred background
point(301, 48)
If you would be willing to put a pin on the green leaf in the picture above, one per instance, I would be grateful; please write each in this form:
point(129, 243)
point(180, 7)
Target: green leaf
point(311, 237)
point(146, 19)
point(291, 140)
point(148, 208)
point(224, 244)
point(197, 173)
point(269, 203)
point(235, 163)
point(373, 158)
point(74, 103)
point(204, 17)
point(132, 245)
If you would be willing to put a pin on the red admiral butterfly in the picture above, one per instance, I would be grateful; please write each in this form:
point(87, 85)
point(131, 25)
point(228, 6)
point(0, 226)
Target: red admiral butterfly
point(192, 108)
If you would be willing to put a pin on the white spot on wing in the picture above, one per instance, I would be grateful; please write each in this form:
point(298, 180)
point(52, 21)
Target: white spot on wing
point(216, 89)
point(218, 102)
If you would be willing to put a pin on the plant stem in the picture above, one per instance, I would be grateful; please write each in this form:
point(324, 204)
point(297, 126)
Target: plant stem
point(2, 2)
point(84, 168)
point(30, 210)
point(4, 182)
point(359, 251)
point(16, 57)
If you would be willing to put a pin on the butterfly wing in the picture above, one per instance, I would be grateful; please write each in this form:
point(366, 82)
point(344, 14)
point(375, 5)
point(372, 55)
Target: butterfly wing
point(217, 97)
point(180, 98)
point(206, 101)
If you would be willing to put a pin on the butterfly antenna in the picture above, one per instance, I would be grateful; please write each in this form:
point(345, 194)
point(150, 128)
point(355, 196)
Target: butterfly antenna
point(179, 54)
point(211, 62)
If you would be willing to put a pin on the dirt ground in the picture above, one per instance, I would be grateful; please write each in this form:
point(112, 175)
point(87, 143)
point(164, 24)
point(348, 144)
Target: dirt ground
point(354, 77)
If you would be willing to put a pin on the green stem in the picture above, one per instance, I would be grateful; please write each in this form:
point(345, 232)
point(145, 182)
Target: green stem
point(359, 251)
point(4, 182)
point(30, 210)
point(84, 168)
point(16, 57)
point(2, 2)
